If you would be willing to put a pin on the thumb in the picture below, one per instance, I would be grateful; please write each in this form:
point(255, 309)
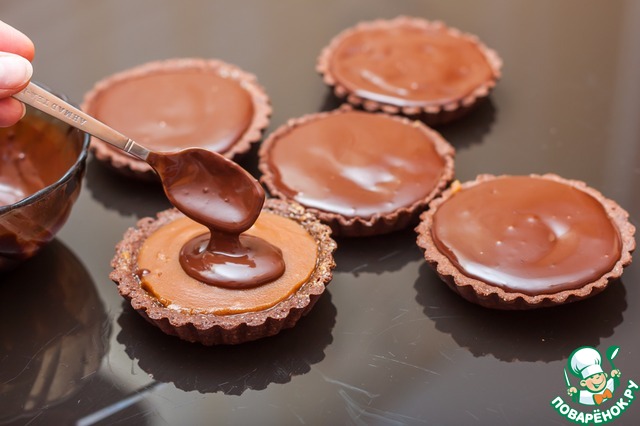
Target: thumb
point(15, 73)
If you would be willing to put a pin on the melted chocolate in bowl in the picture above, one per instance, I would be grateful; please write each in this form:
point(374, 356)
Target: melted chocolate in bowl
point(26, 150)
point(528, 235)
point(219, 194)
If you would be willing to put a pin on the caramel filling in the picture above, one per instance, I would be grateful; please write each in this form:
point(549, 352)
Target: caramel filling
point(355, 164)
point(171, 110)
point(163, 277)
point(528, 235)
point(410, 66)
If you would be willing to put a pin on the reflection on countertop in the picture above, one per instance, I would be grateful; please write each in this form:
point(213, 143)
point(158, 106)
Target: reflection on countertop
point(229, 369)
point(53, 333)
point(473, 127)
point(127, 196)
point(536, 335)
point(331, 102)
point(377, 254)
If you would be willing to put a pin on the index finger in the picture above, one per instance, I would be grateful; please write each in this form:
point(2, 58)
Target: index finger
point(13, 41)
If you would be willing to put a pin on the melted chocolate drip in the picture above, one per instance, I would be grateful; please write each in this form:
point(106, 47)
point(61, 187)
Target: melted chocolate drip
point(214, 191)
point(230, 260)
point(26, 152)
point(210, 189)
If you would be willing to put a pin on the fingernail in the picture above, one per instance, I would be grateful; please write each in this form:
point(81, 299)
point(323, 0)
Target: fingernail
point(24, 111)
point(15, 71)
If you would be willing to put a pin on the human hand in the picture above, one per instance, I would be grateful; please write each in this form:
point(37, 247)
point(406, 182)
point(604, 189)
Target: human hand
point(572, 391)
point(615, 373)
point(16, 52)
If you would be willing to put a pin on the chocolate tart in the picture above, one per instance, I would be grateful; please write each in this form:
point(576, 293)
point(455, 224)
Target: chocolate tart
point(191, 310)
point(361, 173)
point(178, 103)
point(523, 242)
point(410, 66)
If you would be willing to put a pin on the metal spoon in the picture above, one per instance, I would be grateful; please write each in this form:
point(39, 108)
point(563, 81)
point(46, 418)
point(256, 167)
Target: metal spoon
point(202, 184)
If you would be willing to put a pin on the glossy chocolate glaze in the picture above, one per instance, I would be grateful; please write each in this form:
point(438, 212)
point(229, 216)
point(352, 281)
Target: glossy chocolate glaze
point(167, 111)
point(355, 164)
point(222, 196)
point(409, 65)
point(527, 234)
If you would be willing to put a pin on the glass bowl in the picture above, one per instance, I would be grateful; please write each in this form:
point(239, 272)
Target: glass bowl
point(42, 163)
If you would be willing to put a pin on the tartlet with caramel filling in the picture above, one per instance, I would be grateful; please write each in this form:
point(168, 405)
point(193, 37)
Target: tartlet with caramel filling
point(180, 103)
point(522, 242)
point(148, 273)
point(362, 173)
point(410, 66)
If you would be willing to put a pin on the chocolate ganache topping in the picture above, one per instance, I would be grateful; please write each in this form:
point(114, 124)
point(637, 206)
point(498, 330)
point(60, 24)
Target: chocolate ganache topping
point(409, 65)
point(217, 193)
point(355, 164)
point(177, 109)
point(527, 234)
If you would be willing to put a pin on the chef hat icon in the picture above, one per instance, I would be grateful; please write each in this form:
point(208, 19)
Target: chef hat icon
point(585, 362)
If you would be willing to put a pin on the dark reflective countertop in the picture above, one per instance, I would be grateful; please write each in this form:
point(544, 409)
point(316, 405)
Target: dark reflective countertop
point(389, 343)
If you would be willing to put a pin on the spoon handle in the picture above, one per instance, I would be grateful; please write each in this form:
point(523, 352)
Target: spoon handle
point(52, 105)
